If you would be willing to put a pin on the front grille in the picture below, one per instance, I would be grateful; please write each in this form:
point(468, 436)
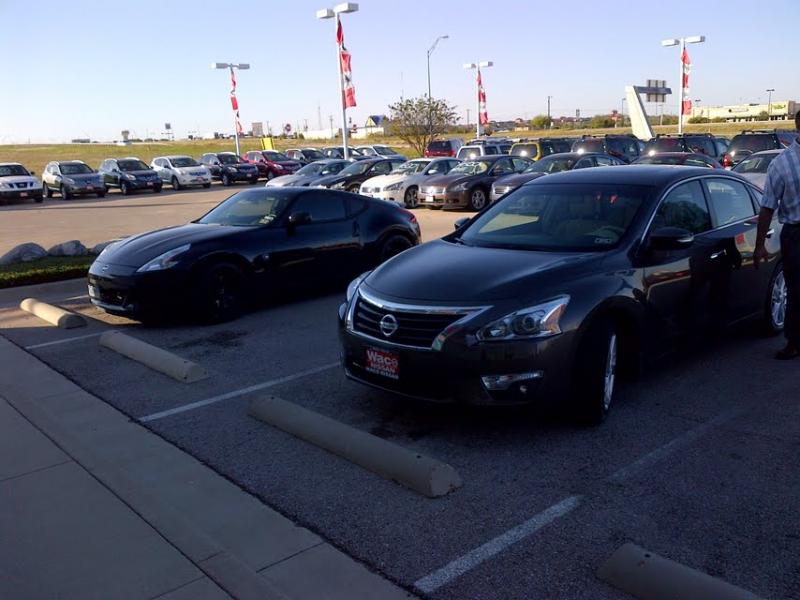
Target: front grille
point(113, 297)
point(433, 190)
point(413, 328)
point(23, 185)
point(371, 190)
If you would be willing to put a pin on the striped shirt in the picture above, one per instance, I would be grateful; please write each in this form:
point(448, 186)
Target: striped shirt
point(782, 188)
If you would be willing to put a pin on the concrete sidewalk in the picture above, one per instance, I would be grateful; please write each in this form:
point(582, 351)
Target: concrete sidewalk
point(93, 505)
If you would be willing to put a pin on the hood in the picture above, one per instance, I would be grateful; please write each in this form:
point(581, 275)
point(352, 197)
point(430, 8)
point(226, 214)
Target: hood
point(83, 176)
point(19, 179)
point(330, 180)
point(287, 164)
point(142, 173)
point(449, 180)
point(382, 181)
point(441, 271)
point(137, 250)
point(516, 180)
point(290, 180)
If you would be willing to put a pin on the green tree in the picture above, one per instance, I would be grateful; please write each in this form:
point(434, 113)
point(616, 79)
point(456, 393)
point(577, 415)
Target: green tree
point(540, 122)
point(694, 120)
point(763, 116)
point(601, 122)
point(417, 121)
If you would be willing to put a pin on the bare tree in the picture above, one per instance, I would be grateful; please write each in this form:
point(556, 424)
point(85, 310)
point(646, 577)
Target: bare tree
point(417, 121)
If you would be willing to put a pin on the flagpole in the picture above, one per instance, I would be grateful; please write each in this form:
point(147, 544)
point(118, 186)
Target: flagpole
point(683, 92)
point(478, 95)
point(345, 148)
point(235, 119)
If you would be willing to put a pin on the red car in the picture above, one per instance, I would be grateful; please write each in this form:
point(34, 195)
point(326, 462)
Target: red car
point(271, 163)
point(443, 148)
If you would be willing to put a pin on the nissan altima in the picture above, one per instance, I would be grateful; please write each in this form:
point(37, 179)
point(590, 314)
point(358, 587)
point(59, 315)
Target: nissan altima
point(547, 294)
point(252, 245)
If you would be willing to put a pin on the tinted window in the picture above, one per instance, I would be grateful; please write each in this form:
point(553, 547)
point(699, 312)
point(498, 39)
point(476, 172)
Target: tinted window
point(185, 161)
point(665, 145)
point(755, 164)
point(684, 207)
point(132, 165)
point(381, 168)
point(440, 146)
point(584, 163)
point(469, 153)
point(503, 167)
point(321, 206)
point(702, 145)
point(312, 154)
point(730, 201)
point(603, 161)
point(228, 159)
point(12, 170)
point(75, 169)
point(694, 161)
point(554, 164)
point(588, 146)
point(752, 143)
point(250, 208)
point(520, 165)
point(529, 150)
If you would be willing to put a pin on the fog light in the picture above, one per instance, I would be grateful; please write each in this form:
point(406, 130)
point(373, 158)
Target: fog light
point(502, 382)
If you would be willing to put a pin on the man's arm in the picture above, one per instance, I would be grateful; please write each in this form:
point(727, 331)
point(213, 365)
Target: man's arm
point(773, 194)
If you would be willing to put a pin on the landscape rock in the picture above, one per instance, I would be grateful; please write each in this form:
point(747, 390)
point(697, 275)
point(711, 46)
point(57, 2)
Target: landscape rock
point(23, 253)
point(70, 248)
point(98, 248)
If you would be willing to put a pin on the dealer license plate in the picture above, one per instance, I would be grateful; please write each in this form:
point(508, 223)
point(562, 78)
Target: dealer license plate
point(23, 195)
point(429, 198)
point(383, 362)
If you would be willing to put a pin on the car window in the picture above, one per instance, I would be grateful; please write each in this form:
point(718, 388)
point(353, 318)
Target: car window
point(437, 168)
point(603, 161)
point(381, 168)
point(684, 207)
point(584, 163)
point(520, 165)
point(503, 167)
point(356, 203)
point(322, 206)
point(730, 201)
point(757, 163)
point(249, 208)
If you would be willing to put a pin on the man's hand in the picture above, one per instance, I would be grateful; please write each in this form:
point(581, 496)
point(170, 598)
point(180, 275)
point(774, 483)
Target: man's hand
point(760, 255)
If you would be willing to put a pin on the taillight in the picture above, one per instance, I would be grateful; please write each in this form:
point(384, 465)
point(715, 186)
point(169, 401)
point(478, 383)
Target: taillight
point(726, 161)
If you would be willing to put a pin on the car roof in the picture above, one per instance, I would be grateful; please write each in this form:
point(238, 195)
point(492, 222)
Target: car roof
point(10, 164)
point(572, 155)
point(171, 156)
point(763, 152)
point(658, 176)
point(70, 162)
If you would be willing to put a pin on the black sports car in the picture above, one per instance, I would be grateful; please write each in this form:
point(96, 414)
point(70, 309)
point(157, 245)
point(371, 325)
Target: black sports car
point(543, 294)
point(254, 243)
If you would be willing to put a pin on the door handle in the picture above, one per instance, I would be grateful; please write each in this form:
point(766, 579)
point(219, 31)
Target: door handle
point(719, 254)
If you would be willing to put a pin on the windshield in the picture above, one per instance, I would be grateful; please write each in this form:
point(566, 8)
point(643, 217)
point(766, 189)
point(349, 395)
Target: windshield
point(12, 170)
point(385, 150)
point(558, 217)
point(755, 164)
point(228, 159)
point(274, 156)
point(250, 208)
point(588, 146)
point(312, 153)
point(551, 165)
point(311, 169)
point(529, 150)
point(412, 166)
point(75, 169)
point(184, 161)
point(367, 151)
point(665, 145)
point(132, 165)
point(442, 145)
point(473, 167)
point(660, 160)
point(469, 153)
point(752, 143)
point(357, 168)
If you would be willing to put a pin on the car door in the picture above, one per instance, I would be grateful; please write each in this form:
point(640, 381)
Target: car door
point(679, 284)
point(164, 168)
point(502, 167)
point(735, 218)
point(322, 248)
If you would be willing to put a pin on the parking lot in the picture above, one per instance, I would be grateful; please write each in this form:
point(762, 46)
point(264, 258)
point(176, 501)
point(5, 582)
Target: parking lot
point(697, 461)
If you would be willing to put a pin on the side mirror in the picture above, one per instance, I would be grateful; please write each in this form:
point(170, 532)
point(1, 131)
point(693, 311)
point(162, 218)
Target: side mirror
point(670, 238)
point(460, 223)
point(298, 218)
point(33, 173)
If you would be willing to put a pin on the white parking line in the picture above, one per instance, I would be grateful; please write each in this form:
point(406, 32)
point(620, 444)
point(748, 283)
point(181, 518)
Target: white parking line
point(65, 340)
point(454, 569)
point(676, 444)
point(235, 394)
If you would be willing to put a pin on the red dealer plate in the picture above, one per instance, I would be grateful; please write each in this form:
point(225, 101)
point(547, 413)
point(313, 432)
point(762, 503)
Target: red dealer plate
point(383, 362)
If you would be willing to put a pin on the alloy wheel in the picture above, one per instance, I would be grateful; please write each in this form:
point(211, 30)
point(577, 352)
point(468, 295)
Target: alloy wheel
point(477, 199)
point(411, 197)
point(611, 371)
point(778, 301)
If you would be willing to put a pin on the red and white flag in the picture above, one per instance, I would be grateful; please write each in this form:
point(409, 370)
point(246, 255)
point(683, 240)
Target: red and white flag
point(686, 103)
point(349, 90)
point(483, 116)
point(235, 104)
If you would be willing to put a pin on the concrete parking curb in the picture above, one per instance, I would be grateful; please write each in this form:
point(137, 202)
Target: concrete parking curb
point(55, 315)
point(424, 475)
point(154, 357)
point(650, 577)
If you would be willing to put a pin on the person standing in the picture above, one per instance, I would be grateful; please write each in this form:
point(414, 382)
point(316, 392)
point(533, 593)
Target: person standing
point(782, 193)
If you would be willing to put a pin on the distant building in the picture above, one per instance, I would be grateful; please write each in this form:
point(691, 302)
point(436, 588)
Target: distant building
point(782, 110)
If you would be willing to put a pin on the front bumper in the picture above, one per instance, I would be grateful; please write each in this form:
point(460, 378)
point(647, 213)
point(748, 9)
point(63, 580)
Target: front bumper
point(120, 290)
point(240, 175)
point(21, 194)
point(498, 193)
point(446, 200)
point(81, 189)
point(395, 196)
point(455, 373)
point(144, 184)
point(194, 179)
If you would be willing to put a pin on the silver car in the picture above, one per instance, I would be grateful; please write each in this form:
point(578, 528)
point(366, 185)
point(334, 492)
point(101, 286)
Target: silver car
point(755, 166)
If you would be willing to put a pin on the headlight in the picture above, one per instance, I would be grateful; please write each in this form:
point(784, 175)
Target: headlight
point(460, 187)
point(651, 152)
point(69, 181)
point(538, 321)
point(338, 186)
point(229, 169)
point(4, 185)
point(129, 176)
point(165, 261)
point(394, 187)
point(351, 289)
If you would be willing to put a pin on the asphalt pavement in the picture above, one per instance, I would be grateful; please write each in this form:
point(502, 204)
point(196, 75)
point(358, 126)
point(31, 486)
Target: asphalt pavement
point(697, 462)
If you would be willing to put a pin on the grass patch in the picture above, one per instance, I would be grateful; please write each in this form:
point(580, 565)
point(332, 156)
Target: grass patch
point(45, 270)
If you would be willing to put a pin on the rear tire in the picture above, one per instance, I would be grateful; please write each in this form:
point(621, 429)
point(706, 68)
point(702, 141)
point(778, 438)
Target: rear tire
point(393, 246)
point(595, 372)
point(176, 185)
point(775, 303)
point(411, 199)
point(220, 293)
point(206, 185)
point(101, 194)
point(253, 180)
point(477, 199)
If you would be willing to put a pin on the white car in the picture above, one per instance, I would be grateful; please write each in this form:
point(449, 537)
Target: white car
point(379, 151)
point(181, 171)
point(16, 182)
point(402, 184)
point(755, 166)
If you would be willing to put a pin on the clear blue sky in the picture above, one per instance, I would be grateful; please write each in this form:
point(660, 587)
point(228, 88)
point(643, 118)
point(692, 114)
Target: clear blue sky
point(90, 68)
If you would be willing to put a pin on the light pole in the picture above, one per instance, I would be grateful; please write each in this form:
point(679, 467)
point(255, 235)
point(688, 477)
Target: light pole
point(622, 112)
point(694, 39)
point(477, 65)
point(231, 67)
point(333, 13)
point(549, 120)
point(769, 104)
point(430, 51)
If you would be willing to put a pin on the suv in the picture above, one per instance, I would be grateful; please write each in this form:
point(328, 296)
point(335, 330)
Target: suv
point(625, 147)
point(71, 178)
point(271, 163)
point(536, 149)
point(751, 141)
point(697, 143)
point(18, 183)
point(181, 171)
point(229, 167)
point(474, 151)
point(443, 148)
point(129, 174)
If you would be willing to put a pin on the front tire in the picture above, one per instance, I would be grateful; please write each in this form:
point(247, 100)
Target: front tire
point(393, 246)
point(353, 189)
point(775, 303)
point(220, 293)
point(206, 185)
point(46, 191)
point(411, 198)
point(65, 195)
point(176, 185)
point(124, 188)
point(157, 189)
point(477, 199)
point(226, 180)
point(596, 372)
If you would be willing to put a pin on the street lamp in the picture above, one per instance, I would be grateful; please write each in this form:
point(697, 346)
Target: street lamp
point(693, 39)
point(478, 65)
point(430, 51)
point(769, 104)
point(231, 67)
point(333, 13)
